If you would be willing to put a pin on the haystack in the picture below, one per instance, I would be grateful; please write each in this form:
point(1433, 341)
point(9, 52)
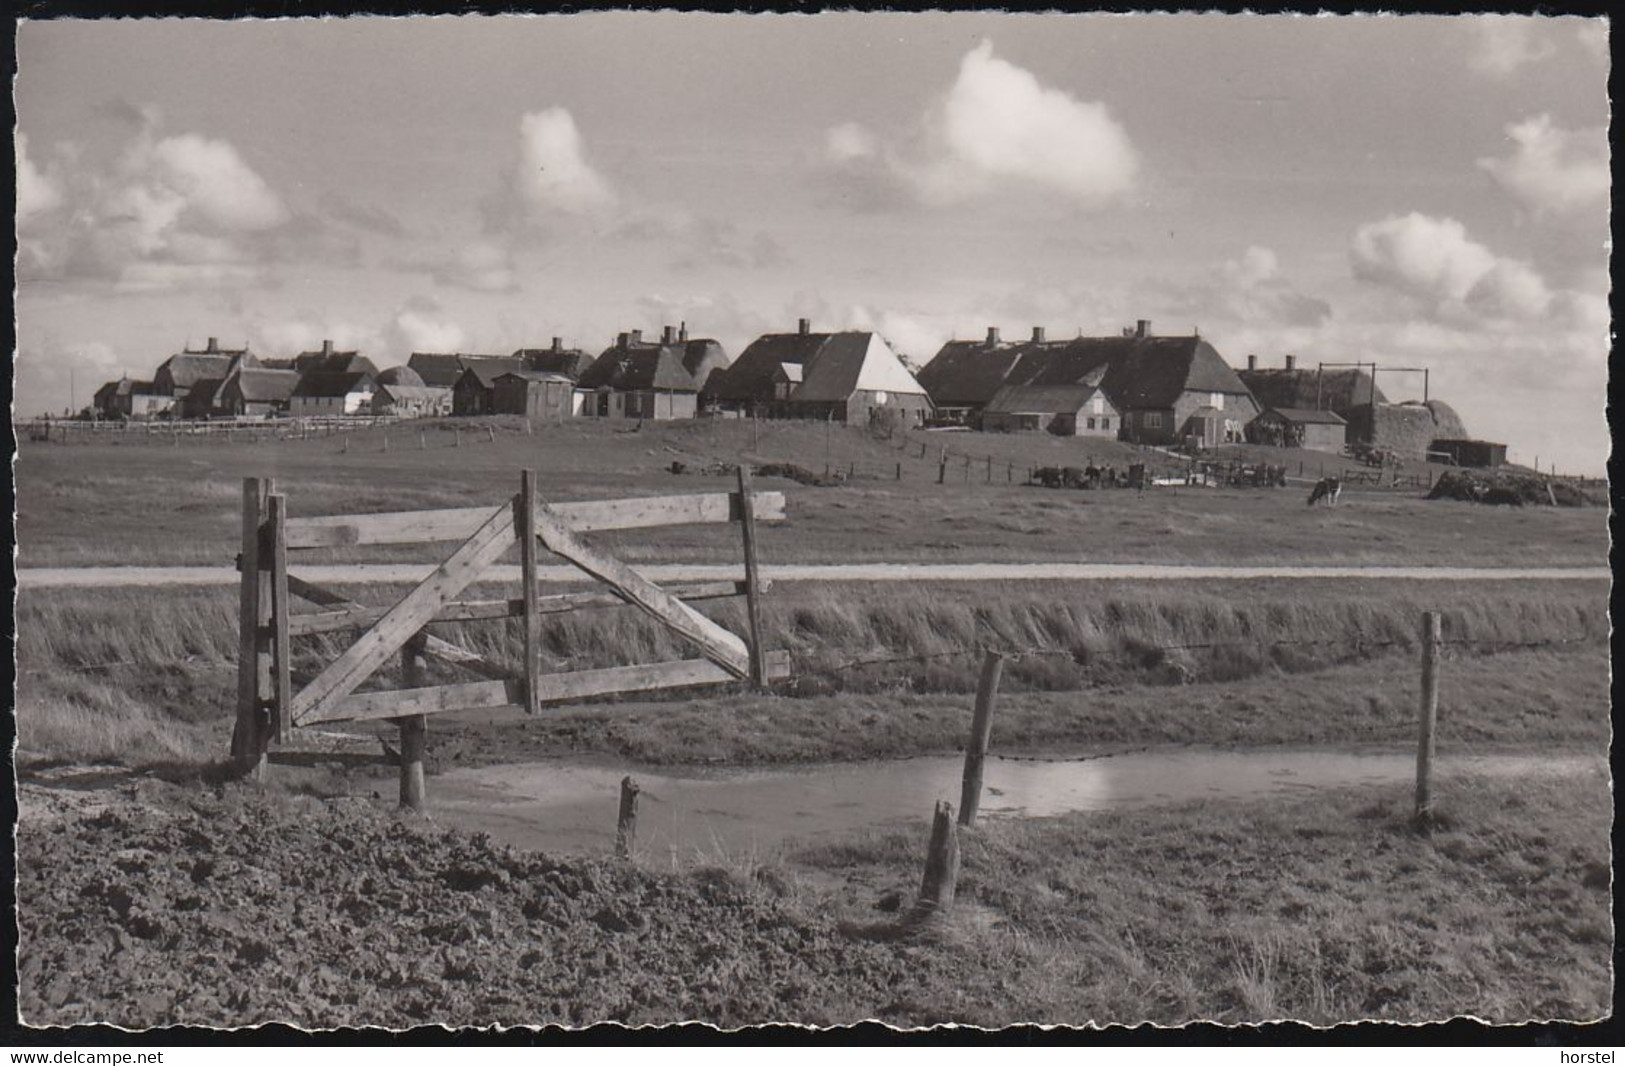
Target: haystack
point(1405, 429)
point(1510, 487)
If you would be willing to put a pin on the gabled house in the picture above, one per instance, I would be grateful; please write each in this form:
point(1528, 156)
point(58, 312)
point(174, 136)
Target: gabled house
point(325, 393)
point(534, 394)
point(1299, 427)
point(474, 391)
point(637, 379)
point(964, 376)
point(180, 373)
point(846, 377)
point(253, 392)
point(437, 368)
point(198, 403)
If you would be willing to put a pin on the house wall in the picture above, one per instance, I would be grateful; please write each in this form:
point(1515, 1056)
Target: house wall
point(317, 406)
point(661, 406)
point(470, 398)
point(142, 407)
point(1011, 422)
point(1324, 437)
point(1149, 425)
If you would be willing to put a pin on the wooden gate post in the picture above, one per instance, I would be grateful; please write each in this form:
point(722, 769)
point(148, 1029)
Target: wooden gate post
point(254, 682)
point(1428, 717)
point(281, 609)
point(987, 692)
point(753, 591)
point(414, 728)
point(941, 862)
point(525, 521)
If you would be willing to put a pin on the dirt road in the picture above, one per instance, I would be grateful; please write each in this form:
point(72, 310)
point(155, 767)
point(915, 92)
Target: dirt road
point(411, 573)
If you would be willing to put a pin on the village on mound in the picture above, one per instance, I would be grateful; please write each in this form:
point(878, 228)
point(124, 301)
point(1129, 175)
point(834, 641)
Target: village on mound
point(1139, 387)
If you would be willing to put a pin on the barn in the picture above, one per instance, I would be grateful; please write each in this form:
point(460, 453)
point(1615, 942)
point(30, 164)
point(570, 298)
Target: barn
point(533, 394)
point(1475, 453)
point(852, 377)
point(1065, 410)
point(473, 394)
point(1297, 427)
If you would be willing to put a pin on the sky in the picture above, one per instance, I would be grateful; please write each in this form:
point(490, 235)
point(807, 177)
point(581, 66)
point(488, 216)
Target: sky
point(1418, 191)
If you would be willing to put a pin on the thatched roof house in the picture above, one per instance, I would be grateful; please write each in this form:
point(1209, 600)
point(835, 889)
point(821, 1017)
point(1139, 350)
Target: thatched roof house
point(844, 376)
point(557, 359)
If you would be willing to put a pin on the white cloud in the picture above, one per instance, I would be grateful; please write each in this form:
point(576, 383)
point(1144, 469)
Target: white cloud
point(1432, 258)
point(419, 326)
point(216, 184)
point(1552, 169)
point(995, 127)
point(998, 122)
point(483, 266)
point(49, 376)
point(553, 175)
point(36, 194)
point(1504, 44)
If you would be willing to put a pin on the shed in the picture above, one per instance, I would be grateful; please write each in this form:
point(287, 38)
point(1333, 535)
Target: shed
point(473, 394)
point(1300, 427)
point(1476, 453)
point(533, 395)
point(1064, 410)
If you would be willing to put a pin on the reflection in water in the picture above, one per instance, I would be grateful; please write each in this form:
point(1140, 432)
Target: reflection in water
point(571, 807)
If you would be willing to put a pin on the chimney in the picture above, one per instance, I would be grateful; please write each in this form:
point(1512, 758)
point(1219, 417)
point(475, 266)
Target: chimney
point(1252, 362)
point(992, 336)
point(1292, 362)
point(637, 336)
point(682, 332)
point(558, 344)
point(214, 345)
point(620, 341)
point(803, 326)
point(1142, 328)
point(1038, 334)
point(327, 347)
point(668, 335)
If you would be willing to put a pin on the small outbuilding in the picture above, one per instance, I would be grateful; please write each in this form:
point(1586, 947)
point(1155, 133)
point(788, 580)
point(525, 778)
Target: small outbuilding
point(1474, 453)
point(411, 401)
point(475, 391)
point(1297, 427)
point(322, 393)
point(534, 394)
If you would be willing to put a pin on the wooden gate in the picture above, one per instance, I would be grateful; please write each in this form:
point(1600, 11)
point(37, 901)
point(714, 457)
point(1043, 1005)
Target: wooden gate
point(268, 705)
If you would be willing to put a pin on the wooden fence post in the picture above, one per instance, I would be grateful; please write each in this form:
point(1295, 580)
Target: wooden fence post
point(987, 693)
point(626, 821)
point(990, 470)
point(281, 604)
point(248, 736)
point(1428, 717)
point(941, 862)
point(753, 605)
point(899, 471)
point(490, 435)
point(942, 473)
point(423, 442)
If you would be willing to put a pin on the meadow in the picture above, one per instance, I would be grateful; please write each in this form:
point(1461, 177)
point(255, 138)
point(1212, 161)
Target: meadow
point(148, 503)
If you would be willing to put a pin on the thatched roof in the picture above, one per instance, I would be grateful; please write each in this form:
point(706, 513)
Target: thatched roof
point(437, 368)
point(847, 363)
point(967, 373)
point(325, 362)
point(486, 369)
point(1040, 399)
point(703, 355)
point(187, 370)
point(750, 377)
point(256, 385)
point(640, 368)
point(400, 375)
point(1336, 390)
point(1306, 416)
point(418, 393)
point(571, 362)
point(327, 385)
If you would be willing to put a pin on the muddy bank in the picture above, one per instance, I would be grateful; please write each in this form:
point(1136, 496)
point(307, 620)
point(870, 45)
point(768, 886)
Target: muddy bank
point(161, 905)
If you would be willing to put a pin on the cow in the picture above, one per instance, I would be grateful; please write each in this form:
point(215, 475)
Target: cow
point(1328, 489)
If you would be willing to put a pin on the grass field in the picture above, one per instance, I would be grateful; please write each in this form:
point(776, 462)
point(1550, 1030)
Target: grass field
point(150, 504)
point(135, 676)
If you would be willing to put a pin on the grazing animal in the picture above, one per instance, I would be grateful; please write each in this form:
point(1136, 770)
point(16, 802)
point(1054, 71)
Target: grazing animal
point(1328, 489)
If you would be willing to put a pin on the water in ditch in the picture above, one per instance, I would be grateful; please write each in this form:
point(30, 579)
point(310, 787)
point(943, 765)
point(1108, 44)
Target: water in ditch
point(571, 807)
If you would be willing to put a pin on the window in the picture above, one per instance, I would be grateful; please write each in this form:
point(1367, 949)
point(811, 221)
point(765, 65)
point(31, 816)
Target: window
point(1099, 404)
point(1153, 420)
point(1105, 423)
point(1216, 400)
point(1091, 423)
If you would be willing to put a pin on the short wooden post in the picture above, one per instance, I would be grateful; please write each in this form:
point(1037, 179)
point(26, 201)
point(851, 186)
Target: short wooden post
point(987, 693)
point(899, 471)
point(1428, 717)
point(530, 430)
point(753, 605)
point(386, 442)
point(626, 821)
point(941, 862)
point(414, 728)
point(942, 472)
point(457, 436)
point(346, 444)
point(1009, 472)
point(423, 442)
point(990, 470)
point(525, 527)
point(490, 435)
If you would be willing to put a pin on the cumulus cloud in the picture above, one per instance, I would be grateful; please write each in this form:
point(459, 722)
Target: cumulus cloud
point(1550, 168)
point(1504, 44)
point(552, 182)
point(36, 194)
point(482, 266)
point(166, 212)
point(49, 376)
point(996, 127)
point(421, 326)
point(1435, 262)
point(1250, 291)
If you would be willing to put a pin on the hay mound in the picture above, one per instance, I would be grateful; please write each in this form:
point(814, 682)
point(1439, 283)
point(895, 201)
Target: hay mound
point(1509, 489)
point(1406, 429)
